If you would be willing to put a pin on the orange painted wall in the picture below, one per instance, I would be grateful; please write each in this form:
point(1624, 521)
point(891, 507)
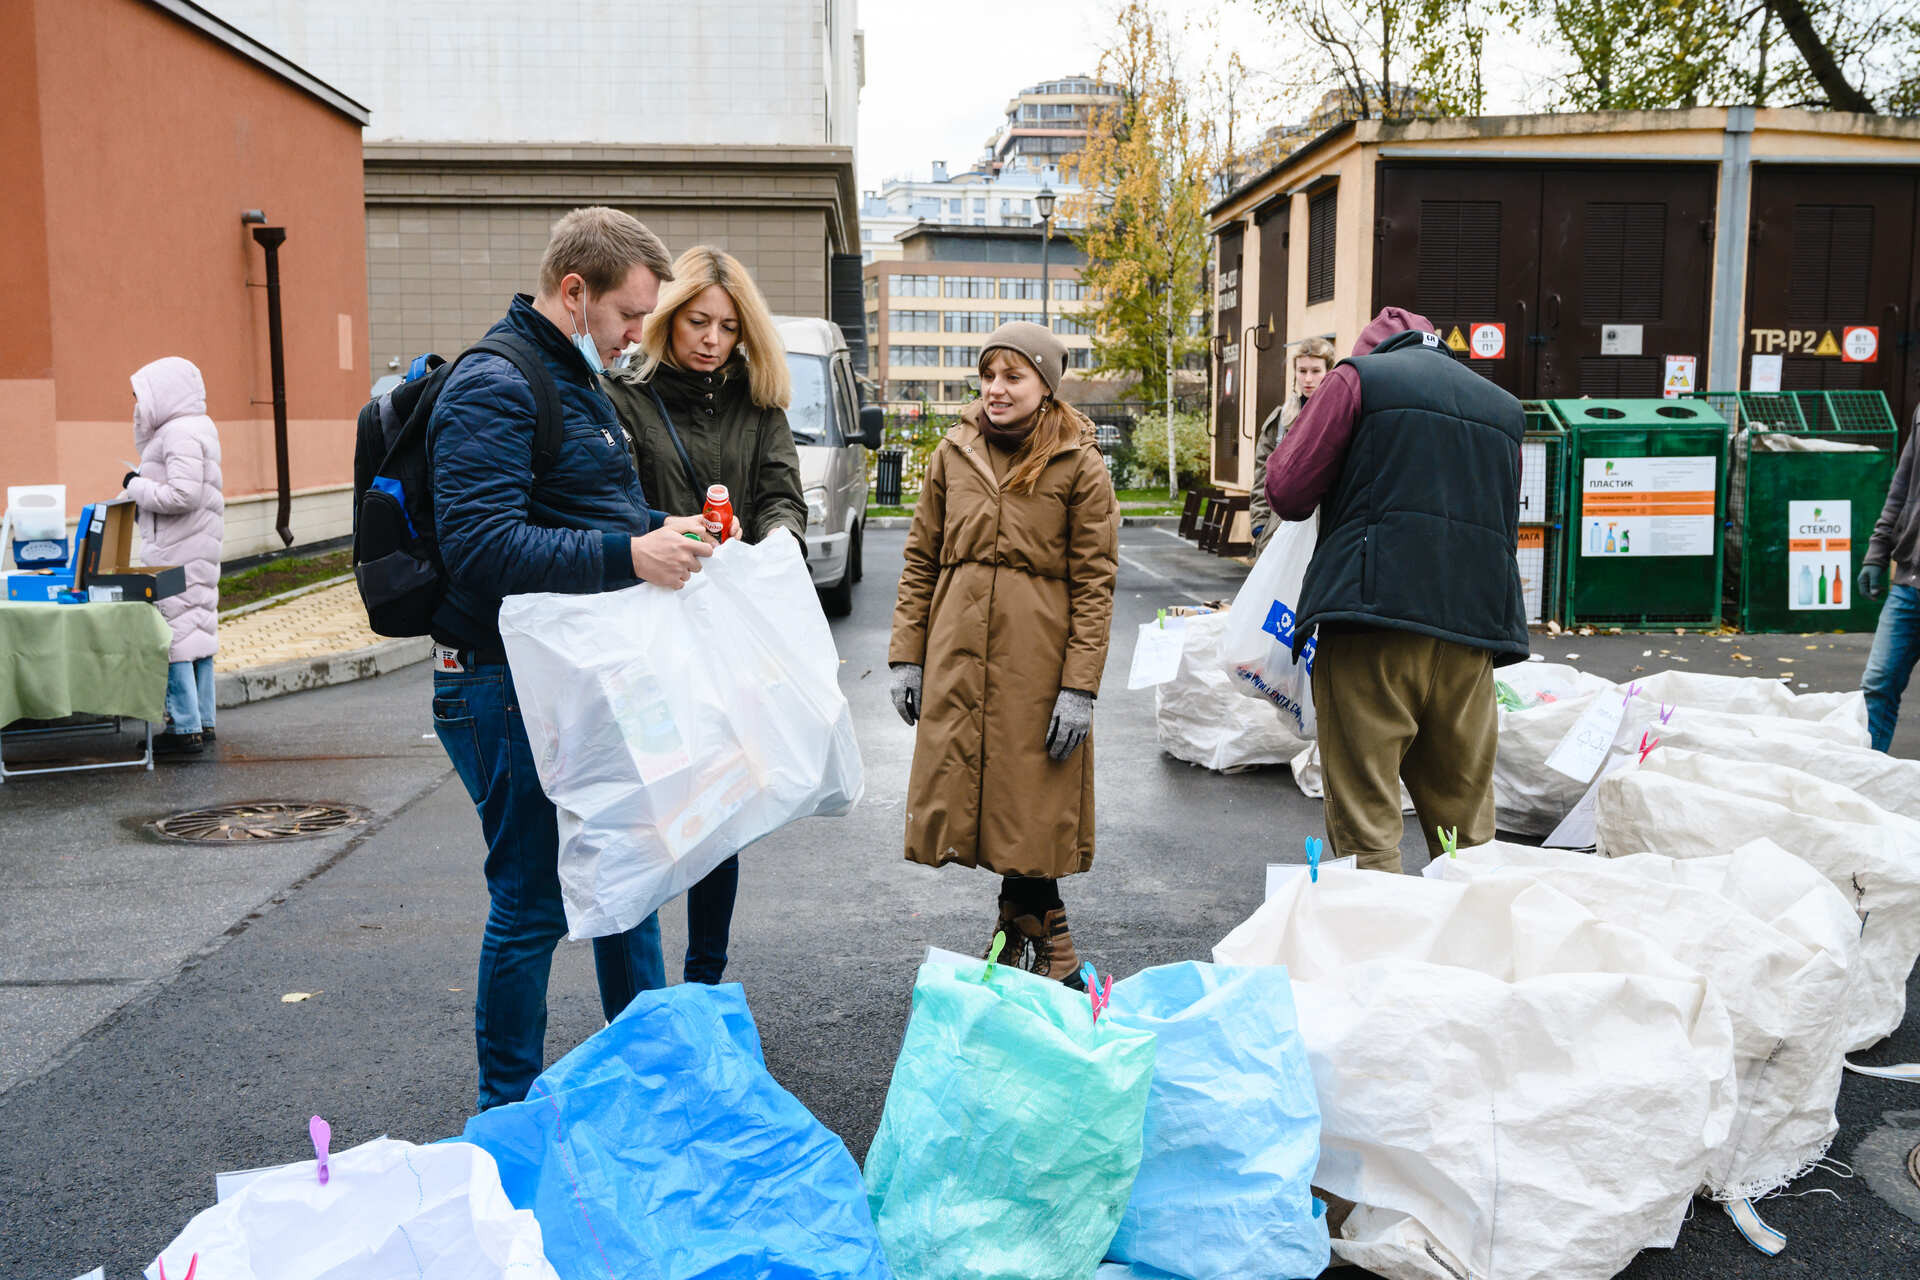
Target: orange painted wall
point(26, 346)
point(154, 138)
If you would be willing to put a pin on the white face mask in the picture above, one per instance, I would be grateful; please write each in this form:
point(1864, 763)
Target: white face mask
point(584, 343)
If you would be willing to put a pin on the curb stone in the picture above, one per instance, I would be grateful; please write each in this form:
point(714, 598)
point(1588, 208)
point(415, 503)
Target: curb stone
point(255, 684)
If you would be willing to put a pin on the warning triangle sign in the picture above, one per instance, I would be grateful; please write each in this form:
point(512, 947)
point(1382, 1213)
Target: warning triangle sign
point(1827, 347)
point(1457, 341)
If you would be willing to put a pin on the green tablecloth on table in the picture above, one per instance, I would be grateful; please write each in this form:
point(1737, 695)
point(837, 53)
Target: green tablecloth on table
point(83, 659)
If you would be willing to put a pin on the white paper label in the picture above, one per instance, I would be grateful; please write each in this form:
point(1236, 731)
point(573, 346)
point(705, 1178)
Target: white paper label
point(1581, 753)
point(1621, 339)
point(1156, 656)
point(1766, 373)
point(1280, 874)
point(1819, 554)
point(1647, 506)
point(1579, 830)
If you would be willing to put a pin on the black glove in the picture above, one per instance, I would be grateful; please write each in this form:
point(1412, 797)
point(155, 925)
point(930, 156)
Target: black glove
point(128, 478)
point(1872, 581)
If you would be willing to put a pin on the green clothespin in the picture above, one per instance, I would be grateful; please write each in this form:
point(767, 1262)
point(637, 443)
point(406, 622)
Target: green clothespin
point(1163, 619)
point(993, 956)
point(1449, 840)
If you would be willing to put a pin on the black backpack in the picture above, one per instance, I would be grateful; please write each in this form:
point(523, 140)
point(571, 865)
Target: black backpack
point(396, 554)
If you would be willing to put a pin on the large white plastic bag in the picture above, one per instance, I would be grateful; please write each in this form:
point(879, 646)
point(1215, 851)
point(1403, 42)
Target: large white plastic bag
point(1888, 781)
point(1232, 1132)
point(1754, 695)
point(1776, 940)
point(1508, 1086)
point(1200, 718)
point(1687, 805)
point(672, 729)
point(389, 1211)
point(1258, 646)
point(1528, 797)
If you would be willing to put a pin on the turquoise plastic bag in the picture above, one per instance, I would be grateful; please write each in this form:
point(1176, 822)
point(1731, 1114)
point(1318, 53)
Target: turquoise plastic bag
point(1012, 1130)
point(1232, 1129)
point(662, 1148)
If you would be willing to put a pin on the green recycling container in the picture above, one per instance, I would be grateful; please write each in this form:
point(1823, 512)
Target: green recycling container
point(1645, 498)
point(1810, 472)
point(1543, 517)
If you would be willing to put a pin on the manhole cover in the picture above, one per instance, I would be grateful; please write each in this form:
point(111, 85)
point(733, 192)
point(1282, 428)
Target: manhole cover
point(261, 820)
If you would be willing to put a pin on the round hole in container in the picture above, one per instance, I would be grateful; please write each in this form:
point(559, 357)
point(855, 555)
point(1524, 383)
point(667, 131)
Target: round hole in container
point(1675, 411)
point(1604, 412)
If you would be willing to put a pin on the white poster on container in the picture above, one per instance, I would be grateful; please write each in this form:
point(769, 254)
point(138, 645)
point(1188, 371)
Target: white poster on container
point(1819, 554)
point(1647, 506)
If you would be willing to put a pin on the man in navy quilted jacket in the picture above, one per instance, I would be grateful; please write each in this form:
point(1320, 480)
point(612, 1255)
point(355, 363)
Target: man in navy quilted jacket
point(582, 524)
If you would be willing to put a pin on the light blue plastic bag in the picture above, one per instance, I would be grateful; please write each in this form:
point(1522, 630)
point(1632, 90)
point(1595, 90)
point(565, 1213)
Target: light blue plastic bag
point(1232, 1130)
point(662, 1148)
point(1011, 1133)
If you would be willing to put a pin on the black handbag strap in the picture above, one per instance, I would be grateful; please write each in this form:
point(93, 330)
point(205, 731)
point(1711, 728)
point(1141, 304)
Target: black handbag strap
point(699, 490)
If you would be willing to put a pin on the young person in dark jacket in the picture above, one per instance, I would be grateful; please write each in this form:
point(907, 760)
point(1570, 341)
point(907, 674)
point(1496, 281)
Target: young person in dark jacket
point(709, 406)
point(1413, 593)
point(583, 525)
point(1896, 640)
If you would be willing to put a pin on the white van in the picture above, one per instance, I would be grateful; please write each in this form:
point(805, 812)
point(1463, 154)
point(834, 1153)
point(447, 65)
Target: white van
point(833, 434)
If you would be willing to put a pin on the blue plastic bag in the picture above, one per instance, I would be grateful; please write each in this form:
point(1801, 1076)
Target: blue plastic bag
point(662, 1148)
point(1011, 1133)
point(1232, 1129)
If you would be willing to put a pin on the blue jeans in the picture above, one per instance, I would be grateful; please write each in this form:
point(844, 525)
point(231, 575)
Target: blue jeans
point(190, 695)
point(477, 717)
point(710, 922)
point(1896, 644)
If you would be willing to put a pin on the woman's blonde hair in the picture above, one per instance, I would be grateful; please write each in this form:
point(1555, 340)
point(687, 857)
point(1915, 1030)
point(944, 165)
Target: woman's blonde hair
point(1319, 348)
point(1055, 425)
point(759, 342)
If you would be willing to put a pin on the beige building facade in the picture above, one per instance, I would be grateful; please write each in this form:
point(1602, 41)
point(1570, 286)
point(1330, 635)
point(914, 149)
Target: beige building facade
point(1596, 254)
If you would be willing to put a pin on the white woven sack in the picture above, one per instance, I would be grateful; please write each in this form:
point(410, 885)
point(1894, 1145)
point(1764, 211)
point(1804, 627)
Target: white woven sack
point(1508, 1086)
point(1776, 940)
point(1753, 695)
point(1311, 777)
point(1686, 805)
point(1888, 781)
point(1199, 716)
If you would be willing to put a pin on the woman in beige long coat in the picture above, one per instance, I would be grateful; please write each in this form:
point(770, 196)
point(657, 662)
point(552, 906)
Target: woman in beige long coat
point(999, 638)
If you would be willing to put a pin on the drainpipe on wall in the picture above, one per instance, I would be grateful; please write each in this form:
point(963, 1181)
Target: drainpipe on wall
point(1730, 251)
point(270, 239)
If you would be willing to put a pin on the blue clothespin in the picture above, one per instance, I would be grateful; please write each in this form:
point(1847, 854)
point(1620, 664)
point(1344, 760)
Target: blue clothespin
point(1313, 858)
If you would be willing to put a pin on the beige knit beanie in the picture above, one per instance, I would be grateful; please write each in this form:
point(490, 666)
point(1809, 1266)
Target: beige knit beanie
point(1043, 351)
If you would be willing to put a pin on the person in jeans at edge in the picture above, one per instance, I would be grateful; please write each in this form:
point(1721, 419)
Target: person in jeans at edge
point(1413, 593)
point(583, 525)
point(1896, 640)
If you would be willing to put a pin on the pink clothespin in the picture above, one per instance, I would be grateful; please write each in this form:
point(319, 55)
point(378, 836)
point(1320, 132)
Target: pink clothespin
point(1666, 711)
point(192, 1265)
point(1633, 691)
point(322, 1134)
point(1646, 748)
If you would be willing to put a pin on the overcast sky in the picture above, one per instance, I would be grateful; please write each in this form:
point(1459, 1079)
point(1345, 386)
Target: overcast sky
point(939, 73)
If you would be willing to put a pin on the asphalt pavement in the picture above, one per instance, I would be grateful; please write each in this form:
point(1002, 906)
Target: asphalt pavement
point(145, 1043)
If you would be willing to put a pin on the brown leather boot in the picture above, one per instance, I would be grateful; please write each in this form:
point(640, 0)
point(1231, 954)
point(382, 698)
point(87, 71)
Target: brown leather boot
point(1014, 951)
point(1050, 951)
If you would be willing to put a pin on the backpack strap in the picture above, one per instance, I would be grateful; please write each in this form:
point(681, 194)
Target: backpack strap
point(673, 434)
point(547, 415)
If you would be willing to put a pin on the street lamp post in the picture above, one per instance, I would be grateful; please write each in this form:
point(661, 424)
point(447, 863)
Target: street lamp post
point(1044, 203)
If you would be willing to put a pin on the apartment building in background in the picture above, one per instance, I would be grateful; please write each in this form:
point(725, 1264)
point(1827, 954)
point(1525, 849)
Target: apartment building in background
point(731, 125)
point(972, 199)
point(1048, 123)
point(929, 310)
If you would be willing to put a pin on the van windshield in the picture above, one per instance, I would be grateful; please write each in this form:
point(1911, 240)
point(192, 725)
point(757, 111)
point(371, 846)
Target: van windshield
point(808, 414)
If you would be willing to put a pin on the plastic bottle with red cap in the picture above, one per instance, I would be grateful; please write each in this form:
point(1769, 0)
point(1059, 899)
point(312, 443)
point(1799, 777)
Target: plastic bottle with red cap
point(718, 513)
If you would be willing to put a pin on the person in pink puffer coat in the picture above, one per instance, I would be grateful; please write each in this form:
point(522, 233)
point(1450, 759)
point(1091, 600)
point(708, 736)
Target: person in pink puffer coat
point(181, 511)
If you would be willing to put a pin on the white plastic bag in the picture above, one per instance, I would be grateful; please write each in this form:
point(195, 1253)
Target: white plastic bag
point(1199, 717)
point(389, 1211)
point(1776, 940)
point(1508, 1086)
point(672, 729)
point(1258, 646)
point(1686, 805)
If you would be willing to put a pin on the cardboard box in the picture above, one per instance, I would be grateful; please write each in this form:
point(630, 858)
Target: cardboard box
point(106, 557)
point(39, 586)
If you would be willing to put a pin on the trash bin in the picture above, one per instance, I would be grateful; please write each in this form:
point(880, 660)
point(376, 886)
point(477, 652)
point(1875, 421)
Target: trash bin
point(1646, 486)
point(886, 481)
point(1543, 515)
point(1810, 470)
